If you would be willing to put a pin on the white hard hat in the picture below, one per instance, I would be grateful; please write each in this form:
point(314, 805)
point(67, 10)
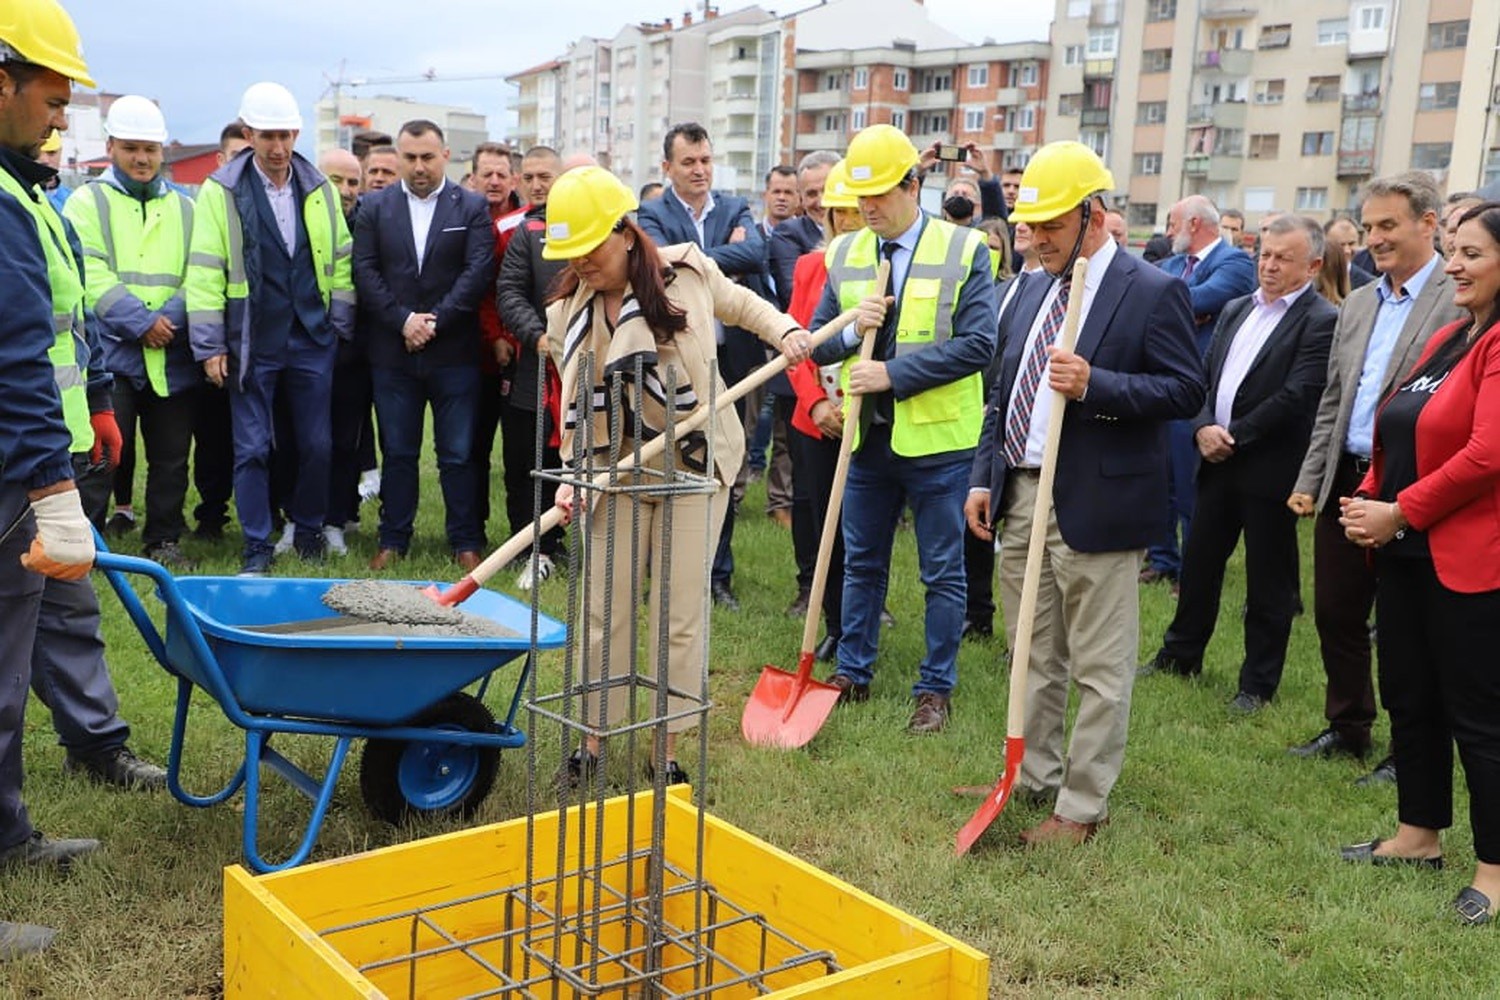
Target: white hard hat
point(271, 107)
point(135, 117)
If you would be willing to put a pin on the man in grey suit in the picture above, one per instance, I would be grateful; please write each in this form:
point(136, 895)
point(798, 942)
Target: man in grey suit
point(1380, 333)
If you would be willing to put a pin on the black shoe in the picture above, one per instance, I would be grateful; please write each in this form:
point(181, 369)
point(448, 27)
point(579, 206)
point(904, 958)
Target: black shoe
point(170, 556)
point(1384, 774)
point(310, 546)
point(849, 691)
point(257, 563)
point(120, 524)
point(1472, 907)
point(724, 597)
point(798, 607)
point(1246, 703)
point(209, 532)
point(827, 649)
point(578, 768)
point(119, 767)
point(1163, 663)
point(40, 849)
point(1330, 743)
point(23, 939)
point(977, 630)
point(1364, 854)
point(675, 774)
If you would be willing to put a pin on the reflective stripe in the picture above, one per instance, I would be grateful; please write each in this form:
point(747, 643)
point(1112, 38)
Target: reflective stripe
point(110, 299)
point(209, 260)
point(187, 227)
point(954, 263)
point(205, 317)
point(68, 377)
point(343, 251)
point(144, 280)
point(236, 232)
point(345, 295)
point(95, 254)
point(106, 225)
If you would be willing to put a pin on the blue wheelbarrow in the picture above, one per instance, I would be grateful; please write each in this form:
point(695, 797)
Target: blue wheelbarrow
point(431, 748)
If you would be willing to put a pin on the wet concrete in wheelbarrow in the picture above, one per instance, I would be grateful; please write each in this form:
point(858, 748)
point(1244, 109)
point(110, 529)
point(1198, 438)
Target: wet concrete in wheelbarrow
point(381, 608)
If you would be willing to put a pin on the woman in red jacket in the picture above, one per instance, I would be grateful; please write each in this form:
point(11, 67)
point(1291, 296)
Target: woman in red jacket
point(1430, 505)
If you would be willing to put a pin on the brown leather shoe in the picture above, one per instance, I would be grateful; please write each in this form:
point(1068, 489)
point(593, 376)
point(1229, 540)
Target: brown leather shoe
point(849, 691)
point(468, 560)
point(1057, 829)
point(782, 517)
point(383, 559)
point(931, 714)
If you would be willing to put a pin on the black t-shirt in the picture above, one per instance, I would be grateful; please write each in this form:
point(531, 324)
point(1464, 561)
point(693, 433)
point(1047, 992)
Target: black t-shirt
point(1396, 427)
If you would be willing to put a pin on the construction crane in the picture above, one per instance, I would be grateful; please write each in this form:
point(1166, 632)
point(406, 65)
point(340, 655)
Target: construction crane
point(338, 84)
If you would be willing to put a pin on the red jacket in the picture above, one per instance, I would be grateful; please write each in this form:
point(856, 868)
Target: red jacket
point(1456, 498)
point(808, 279)
point(491, 328)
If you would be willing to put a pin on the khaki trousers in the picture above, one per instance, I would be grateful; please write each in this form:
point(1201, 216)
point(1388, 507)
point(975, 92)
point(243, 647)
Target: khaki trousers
point(615, 585)
point(1087, 631)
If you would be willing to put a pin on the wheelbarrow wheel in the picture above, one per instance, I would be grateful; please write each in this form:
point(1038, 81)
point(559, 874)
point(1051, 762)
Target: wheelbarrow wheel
point(401, 779)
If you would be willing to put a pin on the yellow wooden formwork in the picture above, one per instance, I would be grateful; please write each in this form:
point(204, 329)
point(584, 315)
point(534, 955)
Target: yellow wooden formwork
point(279, 942)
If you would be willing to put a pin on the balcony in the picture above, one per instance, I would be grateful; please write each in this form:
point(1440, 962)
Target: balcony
point(738, 140)
point(1225, 114)
point(526, 101)
point(1356, 162)
point(1099, 69)
point(1009, 97)
point(820, 140)
point(1361, 103)
point(1005, 141)
point(1226, 10)
point(1230, 62)
point(823, 100)
point(741, 104)
point(1215, 168)
point(1094, 118)
point(1104, 13)
point(932, 100)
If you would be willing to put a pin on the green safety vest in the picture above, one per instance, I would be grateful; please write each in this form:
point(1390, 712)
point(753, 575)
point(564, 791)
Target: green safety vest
point(131, 248)
point(69, 341)
point(946, 417)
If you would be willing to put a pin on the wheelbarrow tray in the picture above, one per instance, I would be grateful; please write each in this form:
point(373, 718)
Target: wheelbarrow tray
point(353, 680)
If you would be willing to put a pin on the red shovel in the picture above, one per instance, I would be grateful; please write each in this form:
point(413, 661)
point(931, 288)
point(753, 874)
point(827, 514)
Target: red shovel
point(519, 542)
point(1015, 719)
point(787, 709)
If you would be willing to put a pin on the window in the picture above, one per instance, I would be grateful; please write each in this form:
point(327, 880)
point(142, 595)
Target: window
point(1265, 146)
point(1333, 31)
point(833, 81)
point(1275, 36)
point(1151, 113)
point(979, 76)
point(1161, 10)
point(1068, 105)
point(973, 119)
point(1073, 55)
point(1311, 199)
point(1317, 143)
point(861, 79)
point(1448, 35)
point(934, 82)
point(1023, 74)
point(899, 80)
point(1270, 91)
point(1321, 89)
point(1437, 96)
point(1142, 213)
point(1148, 163)
point(1431, 155)
point(1097, 140)
point(833, 123)
point(898, 119)
point(1369, 18)
point(1156, 61)
point(1102, 43)
point(1491, 167)
point(858, 119)
point(1023, 119)
point(1262, 199)
point(933, 124)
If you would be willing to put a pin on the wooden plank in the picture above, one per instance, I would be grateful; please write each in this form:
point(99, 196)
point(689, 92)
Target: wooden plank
point(269, 953)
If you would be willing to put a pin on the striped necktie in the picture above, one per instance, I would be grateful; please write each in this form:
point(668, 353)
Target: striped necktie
point(1018, 420)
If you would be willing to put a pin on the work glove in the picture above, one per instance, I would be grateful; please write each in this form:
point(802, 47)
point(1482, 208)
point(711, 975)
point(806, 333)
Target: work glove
point(108, 441)
point(64, 544)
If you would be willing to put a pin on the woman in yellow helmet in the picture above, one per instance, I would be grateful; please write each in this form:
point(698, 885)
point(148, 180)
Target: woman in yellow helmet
point(624, 302)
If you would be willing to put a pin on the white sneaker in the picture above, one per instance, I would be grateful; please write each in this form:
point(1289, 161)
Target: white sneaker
point(333, 539)
point(287, 540)
point(369, 484)
point(543, 567)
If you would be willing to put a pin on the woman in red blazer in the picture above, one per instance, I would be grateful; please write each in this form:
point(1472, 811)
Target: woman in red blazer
point(1430, 505)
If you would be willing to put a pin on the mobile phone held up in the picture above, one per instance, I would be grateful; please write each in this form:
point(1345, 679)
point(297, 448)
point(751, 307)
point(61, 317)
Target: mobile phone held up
point(951, 153)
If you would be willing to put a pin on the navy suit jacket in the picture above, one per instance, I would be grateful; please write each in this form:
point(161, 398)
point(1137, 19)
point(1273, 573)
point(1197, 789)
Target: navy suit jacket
point(458, 270)
point(1111, 484)
point(1272, 415)
point(1225, 274)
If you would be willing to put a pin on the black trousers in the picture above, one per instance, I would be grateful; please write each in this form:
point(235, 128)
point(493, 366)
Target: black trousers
point(486, 422)
point(1439, 681)
point(1343, 597)
point(213, 456)
point(353, 431)
point(813, 462)
point(518, 429)
point(979, 571)
point(804, 530)
point(166, 427)
point(1223, 511)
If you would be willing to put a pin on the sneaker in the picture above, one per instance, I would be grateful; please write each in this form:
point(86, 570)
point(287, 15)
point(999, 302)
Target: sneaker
point(542, 568)
point(257, 563)
point(120, 523)
point(117, 766)
point(287, 540)
point(333, 538)
point(40, 849)
point(369, 485)
point(170, 556)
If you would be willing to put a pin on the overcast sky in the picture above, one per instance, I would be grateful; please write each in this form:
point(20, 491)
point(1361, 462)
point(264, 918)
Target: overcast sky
point(197, 57)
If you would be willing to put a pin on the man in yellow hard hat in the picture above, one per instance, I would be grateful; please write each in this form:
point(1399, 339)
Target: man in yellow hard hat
point(1134, 367)
point(43, 409)
point(935, 331)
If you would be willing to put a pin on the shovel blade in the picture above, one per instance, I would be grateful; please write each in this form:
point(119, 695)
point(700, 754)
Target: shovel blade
point(994, 802)
point(786, 709)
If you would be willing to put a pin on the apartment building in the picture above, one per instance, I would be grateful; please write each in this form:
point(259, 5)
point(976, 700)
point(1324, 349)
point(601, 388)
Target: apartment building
point(337, 118)
point(538, 112)
point(1275, 104)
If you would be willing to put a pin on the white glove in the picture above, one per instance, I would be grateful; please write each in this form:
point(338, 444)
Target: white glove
point(64, 543)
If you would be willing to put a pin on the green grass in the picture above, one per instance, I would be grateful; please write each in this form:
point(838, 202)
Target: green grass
point(1217, 877)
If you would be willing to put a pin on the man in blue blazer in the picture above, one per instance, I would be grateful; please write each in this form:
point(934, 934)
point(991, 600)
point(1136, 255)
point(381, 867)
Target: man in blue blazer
point(1134, 367)
point(1214, 273)
point(689, 211)
point(424, 256)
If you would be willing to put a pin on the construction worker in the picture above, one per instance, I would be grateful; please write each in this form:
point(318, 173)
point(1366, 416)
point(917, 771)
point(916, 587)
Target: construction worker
point(51, 156)
point(269, 292)
point(43, 404)
point(925, 404)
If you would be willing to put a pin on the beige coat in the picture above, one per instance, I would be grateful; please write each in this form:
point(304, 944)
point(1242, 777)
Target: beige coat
point(702, 291)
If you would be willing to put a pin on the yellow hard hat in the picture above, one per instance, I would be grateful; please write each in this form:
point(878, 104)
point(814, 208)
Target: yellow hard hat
point(836, 193)
point(1059, 177)
point(879, 158)
point(41, 32)
point(53, 143)
point(583, 208)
